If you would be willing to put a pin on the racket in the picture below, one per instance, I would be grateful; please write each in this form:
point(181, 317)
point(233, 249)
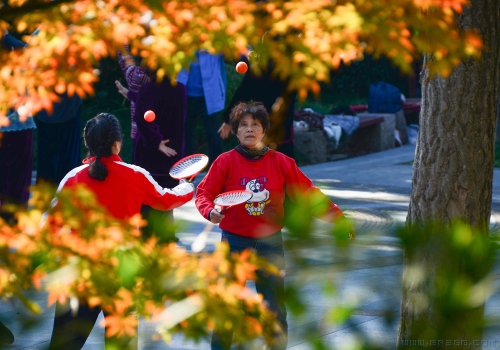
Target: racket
point(228, 199)
point(222, 202)
point(189, 167)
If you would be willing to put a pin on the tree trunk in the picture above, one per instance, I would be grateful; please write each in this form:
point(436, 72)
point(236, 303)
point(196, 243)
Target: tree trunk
point(497, 138)
point(453, 173)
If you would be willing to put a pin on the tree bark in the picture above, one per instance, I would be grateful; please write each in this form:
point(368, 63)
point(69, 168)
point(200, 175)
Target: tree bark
point(497, 137)
point(453, 171)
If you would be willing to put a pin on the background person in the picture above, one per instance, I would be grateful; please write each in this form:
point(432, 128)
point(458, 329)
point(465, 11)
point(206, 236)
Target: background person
point(159, 144)
point(58, 139)
point(16, 159)
point(16, 149)
point(270, 90)
point(269, 175)
point(122, 188)
point(16, 163)
point(206, 97)
point(136, 77)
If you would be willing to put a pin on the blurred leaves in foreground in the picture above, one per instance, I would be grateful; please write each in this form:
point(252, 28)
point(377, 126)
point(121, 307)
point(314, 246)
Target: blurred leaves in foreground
point(446, 280)
point(77, 253)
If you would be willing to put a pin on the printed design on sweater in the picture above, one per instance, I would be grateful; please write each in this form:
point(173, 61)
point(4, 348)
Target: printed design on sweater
point(255, 206)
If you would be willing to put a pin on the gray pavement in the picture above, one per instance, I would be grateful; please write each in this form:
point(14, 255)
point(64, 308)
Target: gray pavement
point(374, 190)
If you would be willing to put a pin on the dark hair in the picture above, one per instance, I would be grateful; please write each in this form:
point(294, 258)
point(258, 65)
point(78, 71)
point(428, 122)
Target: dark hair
point(99, 134)
point(255, 109)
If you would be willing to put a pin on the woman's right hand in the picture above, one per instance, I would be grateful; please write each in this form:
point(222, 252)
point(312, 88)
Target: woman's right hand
point(224, 130)
point(216, 216)
point(169, 152)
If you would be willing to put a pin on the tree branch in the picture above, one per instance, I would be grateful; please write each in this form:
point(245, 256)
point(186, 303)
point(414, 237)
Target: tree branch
point(9, 13)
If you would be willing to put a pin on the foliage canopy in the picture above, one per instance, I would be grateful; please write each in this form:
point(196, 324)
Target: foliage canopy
point(306, 38)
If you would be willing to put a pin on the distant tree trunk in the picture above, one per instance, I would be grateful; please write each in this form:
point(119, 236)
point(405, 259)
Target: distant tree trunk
point(453, 167)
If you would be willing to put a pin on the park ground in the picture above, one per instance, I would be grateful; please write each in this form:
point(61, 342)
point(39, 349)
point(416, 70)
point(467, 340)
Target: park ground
point(374, 190)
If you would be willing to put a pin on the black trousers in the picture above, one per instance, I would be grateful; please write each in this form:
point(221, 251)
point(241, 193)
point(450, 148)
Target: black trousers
point(16, 165)
point(160, 224)
point(272, 287)
point(71, 332)
point(59, 147)
point(197, 108)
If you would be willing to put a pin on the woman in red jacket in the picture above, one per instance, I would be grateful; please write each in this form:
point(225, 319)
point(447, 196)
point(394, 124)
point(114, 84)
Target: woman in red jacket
point(257, 224)
point(122, 188)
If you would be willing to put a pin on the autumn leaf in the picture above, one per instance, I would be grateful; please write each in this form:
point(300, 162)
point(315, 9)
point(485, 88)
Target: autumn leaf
point(120, 326)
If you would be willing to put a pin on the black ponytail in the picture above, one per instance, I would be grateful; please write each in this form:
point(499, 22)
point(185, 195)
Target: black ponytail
point(100, 133)
point(98, 170)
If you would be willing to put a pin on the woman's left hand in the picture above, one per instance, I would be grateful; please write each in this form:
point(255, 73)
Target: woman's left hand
point(121, 89)
point(344, 222)
point(352, 234)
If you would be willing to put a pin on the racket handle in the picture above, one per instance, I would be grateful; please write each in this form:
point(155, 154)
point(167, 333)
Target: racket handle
point(220, 209)
point(201, 241)
point(181, 181)
point(192, 177)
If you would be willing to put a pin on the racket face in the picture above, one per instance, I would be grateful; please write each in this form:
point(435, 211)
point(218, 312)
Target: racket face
point(188, 166)
point(232, 198)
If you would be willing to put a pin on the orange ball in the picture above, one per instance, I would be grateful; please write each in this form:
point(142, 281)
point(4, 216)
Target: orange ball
point(241, 67)
point(149, 116)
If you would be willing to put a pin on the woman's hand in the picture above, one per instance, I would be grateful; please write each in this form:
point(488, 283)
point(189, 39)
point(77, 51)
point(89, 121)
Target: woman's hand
point(350, 228)
point(344, 224)
point(121, 89)
point(216, 216)
point(352, 234)
point(169, 152)
point(224, 130)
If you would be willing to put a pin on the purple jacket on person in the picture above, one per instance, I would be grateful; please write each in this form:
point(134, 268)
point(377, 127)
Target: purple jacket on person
point(135, 76)
point(169, 104)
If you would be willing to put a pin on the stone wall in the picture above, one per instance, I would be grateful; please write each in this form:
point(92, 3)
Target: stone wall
point(375, 138)
point(310, 147)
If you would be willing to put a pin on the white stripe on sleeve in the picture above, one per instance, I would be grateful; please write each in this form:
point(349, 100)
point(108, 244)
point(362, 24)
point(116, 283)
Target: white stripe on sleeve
point(148, 176)
point(183, 189)
point(69, 175)
point(53, 203)
point(179, 190)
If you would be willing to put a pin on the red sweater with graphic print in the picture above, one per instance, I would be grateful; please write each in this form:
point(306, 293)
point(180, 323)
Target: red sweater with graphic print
point(127, 187)
point(268, 178)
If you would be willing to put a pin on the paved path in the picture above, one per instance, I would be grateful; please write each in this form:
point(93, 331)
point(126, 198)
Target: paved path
point(374, 190)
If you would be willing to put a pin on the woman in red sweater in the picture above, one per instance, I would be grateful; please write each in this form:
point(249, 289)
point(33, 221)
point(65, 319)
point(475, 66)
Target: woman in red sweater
point(122, 188)
point(257, 224)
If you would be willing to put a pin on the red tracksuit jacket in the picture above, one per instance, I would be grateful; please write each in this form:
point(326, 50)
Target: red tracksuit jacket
point(127, 187)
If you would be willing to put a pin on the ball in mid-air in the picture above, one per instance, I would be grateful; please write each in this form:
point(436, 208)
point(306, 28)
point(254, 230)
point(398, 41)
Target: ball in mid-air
point(241, 67)
point(149, 116)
